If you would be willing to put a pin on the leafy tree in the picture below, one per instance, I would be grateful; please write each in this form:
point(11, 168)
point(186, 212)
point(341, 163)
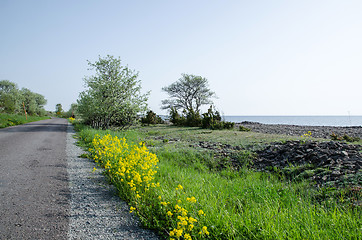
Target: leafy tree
point(59, 109)
point(188, 93)
point(9, 97)
point(28, 98)
point(12, 99)
point(72, 112)
point(113, 95)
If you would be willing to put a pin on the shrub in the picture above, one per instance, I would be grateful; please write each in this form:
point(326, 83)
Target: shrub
point(345, 137)
point(209, 120)
point(212, 120)
point(151, 118)
point(193, 119)
point(175, 117)
point(244, 129)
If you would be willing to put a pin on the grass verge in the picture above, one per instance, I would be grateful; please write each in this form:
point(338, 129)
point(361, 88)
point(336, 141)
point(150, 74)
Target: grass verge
point(190, 198)
point(7, 120)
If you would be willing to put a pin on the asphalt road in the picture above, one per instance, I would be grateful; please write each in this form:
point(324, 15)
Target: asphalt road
point(34, 192)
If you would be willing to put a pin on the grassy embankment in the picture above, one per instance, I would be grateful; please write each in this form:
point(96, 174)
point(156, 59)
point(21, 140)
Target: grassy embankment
point(241, 204)
point(7, 120)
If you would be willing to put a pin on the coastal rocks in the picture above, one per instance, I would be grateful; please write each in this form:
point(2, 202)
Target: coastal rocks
point(326, 163)
point(296, 130)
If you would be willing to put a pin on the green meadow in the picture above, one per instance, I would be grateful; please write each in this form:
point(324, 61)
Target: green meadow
point(7, 120)
point(239, 203)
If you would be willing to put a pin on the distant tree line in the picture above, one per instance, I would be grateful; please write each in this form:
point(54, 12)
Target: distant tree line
point(15, 100)
point(72, 112)
point(113, 99)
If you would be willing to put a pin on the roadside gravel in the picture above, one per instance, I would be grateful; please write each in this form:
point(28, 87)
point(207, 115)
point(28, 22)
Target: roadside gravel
point(96, 212)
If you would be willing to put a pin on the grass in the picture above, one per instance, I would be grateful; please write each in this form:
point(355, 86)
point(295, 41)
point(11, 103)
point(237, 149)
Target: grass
point(7, 120)
point(241, 204)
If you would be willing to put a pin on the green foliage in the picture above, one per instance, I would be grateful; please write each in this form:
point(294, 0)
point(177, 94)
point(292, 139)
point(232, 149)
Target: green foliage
point(193, 119)
point(241, 204)
point(13, 100)
point(59, 110)
point(8, 120)
point(113, 97)
point(72, 112)
point(212, 120)
point(244, 129)
point(209, 120)
point(345, 137)
point(151, 118)
point(189, 93)
point(176, 118)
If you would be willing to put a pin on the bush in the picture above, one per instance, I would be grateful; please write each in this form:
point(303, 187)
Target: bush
point(193, 119)
point(209, 120)
point(212, 120)
point(244, 129)
point(175, 118)
point(345, 137)
point(151, 118)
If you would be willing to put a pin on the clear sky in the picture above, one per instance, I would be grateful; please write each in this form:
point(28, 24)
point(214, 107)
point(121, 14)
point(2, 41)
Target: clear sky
point(260, 57)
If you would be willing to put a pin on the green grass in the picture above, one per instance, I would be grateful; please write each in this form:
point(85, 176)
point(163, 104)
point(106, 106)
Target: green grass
point(7, 120)
point(240, 204)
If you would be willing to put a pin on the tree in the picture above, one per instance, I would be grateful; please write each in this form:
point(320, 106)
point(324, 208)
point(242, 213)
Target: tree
point(188, 93)
point(113, 95)
point(12, 99)
point(58, 109)
point(72, 112)
point(9, 97)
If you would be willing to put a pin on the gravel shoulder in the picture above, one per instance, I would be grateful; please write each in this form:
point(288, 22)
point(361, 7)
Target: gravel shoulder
point(96, 212)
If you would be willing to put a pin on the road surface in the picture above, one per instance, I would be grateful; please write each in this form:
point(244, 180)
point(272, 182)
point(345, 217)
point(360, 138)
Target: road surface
point(34, 192)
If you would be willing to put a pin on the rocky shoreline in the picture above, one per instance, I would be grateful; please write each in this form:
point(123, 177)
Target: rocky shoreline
point(325, 163)
point(297, 130)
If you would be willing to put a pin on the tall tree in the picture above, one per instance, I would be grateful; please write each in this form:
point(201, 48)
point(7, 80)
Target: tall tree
point(188, 93)
point(9, 97)
point(113, 95)
point(12, 99)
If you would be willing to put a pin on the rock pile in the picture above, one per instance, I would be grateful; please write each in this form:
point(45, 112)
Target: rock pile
point(296, 130)
point(326, 163)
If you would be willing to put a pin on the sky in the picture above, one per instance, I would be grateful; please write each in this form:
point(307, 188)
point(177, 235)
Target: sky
point(260, 57)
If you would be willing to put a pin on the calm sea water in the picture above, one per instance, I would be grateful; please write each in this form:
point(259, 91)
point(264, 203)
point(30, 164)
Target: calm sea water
point(300, 120)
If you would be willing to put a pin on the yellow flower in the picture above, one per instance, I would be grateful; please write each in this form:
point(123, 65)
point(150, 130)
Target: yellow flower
point(187, 236)
point(191, 199)
point(169, 213)
point(191, 226)
point(132, 209)
point(179, 233)
point(179, 187)
point(200, 212)
point(192, 220)
point(204, 231)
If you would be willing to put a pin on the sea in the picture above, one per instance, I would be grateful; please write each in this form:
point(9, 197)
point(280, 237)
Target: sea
point(338, 121)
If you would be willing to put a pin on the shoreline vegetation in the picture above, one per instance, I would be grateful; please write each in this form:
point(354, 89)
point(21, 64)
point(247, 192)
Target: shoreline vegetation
point(202, 184)
point(8, 120)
